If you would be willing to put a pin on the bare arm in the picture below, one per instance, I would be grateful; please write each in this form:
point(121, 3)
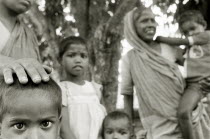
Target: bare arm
point(198, 39)
point(23, 68)
point(65, 132)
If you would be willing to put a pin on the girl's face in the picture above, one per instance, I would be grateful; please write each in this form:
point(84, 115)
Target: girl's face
point(75, 60)
point(146, 25)
point(190, 28)
point(18, 6)
point(117, 129)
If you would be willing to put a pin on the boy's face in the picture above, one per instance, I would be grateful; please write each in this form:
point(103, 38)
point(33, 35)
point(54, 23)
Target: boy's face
point(117, 129)
point(18, 6)
point(75, 59)
point(31, 118)
point(190, 28)
point(146, 25)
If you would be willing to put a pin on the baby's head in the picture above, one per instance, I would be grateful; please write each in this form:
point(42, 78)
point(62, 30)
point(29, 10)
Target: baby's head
point(116, 125)
point(191, 22)
point(30, 111)
point(17, 6)
point(74, 56)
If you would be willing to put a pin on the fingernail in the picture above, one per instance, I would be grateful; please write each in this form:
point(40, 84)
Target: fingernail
point(24, 79)
point(9, 81)
point(46, 78)
point(36, 79)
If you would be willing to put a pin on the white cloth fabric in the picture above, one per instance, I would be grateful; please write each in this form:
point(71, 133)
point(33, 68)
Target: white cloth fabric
point(86, 114)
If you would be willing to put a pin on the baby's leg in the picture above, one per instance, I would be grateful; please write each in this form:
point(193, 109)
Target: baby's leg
point(188, 103)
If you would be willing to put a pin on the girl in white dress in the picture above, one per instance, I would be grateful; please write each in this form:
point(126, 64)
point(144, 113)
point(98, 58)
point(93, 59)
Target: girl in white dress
point(81, 98)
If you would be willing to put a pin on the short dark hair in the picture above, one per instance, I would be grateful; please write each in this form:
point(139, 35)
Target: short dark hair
point(115, 115)
point(65, 43)
point(49, 89)
point(191, 15)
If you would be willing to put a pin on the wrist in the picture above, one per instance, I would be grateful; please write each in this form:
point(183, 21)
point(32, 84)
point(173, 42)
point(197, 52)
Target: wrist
point(191, 40)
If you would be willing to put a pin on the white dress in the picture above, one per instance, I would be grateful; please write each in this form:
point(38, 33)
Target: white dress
point(86, 114)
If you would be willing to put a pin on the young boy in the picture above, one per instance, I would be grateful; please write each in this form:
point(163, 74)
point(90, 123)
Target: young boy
point(192, 25)
point(18, 44)
point(116, 125)
point(31, 111)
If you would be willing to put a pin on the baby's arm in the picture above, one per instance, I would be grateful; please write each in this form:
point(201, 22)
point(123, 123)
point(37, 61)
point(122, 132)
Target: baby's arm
point(187, 104)
point(198, 39)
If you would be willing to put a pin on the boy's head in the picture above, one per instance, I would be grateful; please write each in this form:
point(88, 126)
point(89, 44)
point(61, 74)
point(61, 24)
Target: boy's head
point(30, 111)
point(17, 6)
point(191, 22)
point(74, 55)
point(117, 125)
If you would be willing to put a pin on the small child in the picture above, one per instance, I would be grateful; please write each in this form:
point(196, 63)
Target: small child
point(116, 125)
point(192, 25)
point(80, 97)
point(31, 111)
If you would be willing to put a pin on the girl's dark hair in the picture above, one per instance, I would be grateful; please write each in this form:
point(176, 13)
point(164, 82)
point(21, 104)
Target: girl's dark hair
point(65, 43)
point(191, 15)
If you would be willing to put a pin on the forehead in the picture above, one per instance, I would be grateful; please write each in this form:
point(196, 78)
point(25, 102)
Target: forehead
point(76, 47)
point(122, 123)
point(33, 102)
point(147, 14)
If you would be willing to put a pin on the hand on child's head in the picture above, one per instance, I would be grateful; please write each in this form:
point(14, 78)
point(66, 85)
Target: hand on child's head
point(24, 68)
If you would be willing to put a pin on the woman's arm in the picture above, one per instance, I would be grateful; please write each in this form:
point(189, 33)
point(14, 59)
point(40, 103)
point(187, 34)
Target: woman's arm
point(23, 68)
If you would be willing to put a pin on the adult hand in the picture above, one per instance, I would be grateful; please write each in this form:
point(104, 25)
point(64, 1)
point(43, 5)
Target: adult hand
point(205, 84)
point(24, 68)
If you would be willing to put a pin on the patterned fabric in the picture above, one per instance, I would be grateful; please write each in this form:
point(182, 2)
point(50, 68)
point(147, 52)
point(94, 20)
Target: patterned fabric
point(22, 43)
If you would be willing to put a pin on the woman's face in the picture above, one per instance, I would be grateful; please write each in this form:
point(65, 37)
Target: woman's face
point(146, 25)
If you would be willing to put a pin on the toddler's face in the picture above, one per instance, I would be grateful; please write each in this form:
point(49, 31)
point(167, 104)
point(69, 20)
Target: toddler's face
point(30, 118)
point(117, 129)
point(18, 6)
point(190, 28)
point(75, 60)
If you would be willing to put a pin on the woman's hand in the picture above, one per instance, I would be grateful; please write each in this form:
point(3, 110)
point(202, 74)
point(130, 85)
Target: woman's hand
point(24, 68)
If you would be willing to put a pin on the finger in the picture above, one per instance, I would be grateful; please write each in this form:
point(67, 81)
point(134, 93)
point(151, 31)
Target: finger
point(43, 73)
point(7, 72)
point(32, 72)
point(48, 69)
point(20, 72)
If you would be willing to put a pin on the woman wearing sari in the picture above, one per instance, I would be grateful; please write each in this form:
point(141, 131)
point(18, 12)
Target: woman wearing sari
point(19, 52)
point(150, 68)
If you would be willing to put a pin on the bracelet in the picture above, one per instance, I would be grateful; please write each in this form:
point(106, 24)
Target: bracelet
point(191, 41)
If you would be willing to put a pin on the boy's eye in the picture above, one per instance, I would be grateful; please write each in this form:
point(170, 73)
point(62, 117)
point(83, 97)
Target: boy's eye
point(83, 55)
point(20, 126)
point(108, 131)
point(46, 124)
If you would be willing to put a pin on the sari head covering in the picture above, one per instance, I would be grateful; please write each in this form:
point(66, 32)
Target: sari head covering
point(22, 43)
point(158, 81)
